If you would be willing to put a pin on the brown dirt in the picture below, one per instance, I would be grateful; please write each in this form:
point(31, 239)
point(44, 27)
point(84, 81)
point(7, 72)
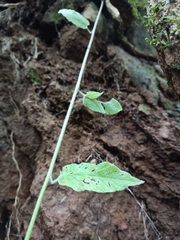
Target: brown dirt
point(144, 143)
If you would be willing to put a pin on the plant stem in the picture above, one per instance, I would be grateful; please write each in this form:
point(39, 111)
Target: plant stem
point(49, 173)
point(82, 94)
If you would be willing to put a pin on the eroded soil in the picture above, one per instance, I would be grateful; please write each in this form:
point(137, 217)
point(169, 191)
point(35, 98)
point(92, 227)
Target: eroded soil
point(144, 139)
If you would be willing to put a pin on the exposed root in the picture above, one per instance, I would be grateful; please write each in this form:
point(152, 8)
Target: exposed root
point(117, 84)
point(6, 44)
point(112, 10)
point(6, 49)
point(56, 28)
point(36, 41)
point(97, 155)
point(11, 10)
point(16, 62)
point(94, 157)
point(10, 5)
point(15, 210)
point(146, 217)
point(15, 105)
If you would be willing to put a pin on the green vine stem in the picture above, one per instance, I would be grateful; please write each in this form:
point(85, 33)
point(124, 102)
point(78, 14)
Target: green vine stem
point(49, 173)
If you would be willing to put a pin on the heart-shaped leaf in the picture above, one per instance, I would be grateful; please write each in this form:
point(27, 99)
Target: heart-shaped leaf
point(93, 104)
point(112, 107)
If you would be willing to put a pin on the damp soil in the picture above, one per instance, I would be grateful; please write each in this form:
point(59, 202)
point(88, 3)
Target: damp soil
point(38, 71)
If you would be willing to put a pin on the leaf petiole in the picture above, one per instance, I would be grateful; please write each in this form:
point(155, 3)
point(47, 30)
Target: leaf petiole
point(89, 31)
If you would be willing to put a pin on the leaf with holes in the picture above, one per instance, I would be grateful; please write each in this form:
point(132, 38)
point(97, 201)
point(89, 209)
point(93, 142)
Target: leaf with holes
point(93, 95)
point(104, 177)
point(112, 107)
point(75, 17)
point(93, 104)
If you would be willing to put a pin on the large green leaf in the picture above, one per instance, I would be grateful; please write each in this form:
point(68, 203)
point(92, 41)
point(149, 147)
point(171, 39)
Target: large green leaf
point(75, 17)
point(93, 95)
point(112, 107)
point(104, 177)
point(93, 104)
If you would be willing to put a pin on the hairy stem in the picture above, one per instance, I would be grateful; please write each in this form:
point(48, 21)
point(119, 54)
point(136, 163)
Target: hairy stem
point(49, 173)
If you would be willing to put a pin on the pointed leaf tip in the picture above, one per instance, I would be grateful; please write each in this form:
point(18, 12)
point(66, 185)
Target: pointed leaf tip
point(104, 177)
point(93, 94)
point(75, 17)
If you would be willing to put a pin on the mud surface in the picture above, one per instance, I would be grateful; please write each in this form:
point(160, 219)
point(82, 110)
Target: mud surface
point(38, 72)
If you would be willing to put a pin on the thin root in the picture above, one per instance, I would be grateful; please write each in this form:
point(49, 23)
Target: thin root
point(16, 201)
point(145, 216)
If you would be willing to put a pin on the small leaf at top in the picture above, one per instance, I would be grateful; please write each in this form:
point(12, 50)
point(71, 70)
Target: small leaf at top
point(112, 107)
point(104, 177)
point(93, 95)
point(75, 17)
point(93, 104)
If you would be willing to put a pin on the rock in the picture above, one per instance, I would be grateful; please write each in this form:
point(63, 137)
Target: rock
point(136, 35)
point(135, 73)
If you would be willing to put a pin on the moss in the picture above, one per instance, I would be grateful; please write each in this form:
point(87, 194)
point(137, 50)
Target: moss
point(55, 17)
point(168, 105)
point(32, 75)
point(176, 65)
point(163, 23)
point(137, 7)
point(150, 69)
point(178, 120)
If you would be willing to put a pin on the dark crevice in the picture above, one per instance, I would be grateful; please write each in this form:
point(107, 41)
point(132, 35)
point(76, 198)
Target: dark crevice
point(4, 217)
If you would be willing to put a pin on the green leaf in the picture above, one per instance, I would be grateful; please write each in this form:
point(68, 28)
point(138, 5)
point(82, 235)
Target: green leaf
point(143, 108)
point(112, 107)
point(104, 177)
point(93, 104)
point(93, 95)
point(75, 17)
